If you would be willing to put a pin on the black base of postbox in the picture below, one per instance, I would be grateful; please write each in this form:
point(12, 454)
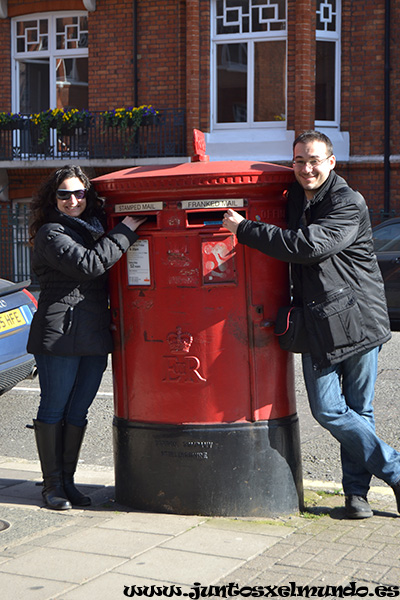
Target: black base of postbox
point(228, 469)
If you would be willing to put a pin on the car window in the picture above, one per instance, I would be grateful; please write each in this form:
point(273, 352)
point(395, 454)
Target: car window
point(387, 239)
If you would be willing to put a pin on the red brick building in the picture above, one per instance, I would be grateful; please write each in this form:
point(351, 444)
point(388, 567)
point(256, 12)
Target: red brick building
point(251, 74)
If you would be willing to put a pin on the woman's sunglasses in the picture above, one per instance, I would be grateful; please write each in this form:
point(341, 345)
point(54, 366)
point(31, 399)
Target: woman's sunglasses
point(66, 194)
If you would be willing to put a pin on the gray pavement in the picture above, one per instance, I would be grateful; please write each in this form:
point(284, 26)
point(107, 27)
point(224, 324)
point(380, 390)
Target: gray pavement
point(102, 552)
point(320, 451)
point(107, 552)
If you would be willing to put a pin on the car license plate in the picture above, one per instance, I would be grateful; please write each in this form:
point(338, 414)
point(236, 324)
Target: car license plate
point(11, 320)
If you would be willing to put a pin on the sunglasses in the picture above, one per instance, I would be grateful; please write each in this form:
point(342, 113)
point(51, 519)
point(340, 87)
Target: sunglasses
point(66, 194)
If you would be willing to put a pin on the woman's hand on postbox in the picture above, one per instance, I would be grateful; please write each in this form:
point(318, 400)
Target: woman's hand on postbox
point(133, 222)
point(231, 220)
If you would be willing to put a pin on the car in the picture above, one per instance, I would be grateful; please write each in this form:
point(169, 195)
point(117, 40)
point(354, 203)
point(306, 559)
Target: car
point(386, 237)
point(17, 306)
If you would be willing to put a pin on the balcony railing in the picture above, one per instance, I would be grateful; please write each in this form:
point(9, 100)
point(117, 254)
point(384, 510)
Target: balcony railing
point(160, 136)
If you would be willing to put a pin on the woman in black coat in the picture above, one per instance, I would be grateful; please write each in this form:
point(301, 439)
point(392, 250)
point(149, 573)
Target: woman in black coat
point(70, 332)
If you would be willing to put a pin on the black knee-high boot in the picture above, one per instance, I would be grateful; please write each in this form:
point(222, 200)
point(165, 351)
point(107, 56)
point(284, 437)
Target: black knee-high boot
point(72, 441)
point(49, 444)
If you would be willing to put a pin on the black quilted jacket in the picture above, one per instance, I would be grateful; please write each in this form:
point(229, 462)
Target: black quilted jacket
point(71, 265)
point(335, 274)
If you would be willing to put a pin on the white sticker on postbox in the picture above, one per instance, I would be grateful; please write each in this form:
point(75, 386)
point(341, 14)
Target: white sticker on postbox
point(138, 261)
point(221, 203)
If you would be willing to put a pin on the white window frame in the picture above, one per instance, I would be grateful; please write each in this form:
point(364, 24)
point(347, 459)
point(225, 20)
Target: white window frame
point(333, 36)
point(52, 53)
point(251, 39)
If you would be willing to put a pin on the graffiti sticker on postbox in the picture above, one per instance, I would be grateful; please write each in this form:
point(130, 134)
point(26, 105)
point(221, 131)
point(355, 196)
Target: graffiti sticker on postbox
point(218, 259)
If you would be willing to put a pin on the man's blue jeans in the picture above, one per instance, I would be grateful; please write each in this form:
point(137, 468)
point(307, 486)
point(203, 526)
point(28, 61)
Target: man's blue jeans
point(341, 400)
point(68, 386)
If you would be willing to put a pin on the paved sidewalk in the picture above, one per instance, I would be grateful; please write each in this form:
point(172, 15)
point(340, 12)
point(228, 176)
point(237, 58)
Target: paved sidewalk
point(101, 552)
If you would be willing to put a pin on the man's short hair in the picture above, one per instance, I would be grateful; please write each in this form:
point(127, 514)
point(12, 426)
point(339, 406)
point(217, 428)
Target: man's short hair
point(314, 136)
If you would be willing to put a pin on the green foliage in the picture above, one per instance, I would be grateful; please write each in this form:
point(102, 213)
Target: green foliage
point(131, 117)
point(60, 119)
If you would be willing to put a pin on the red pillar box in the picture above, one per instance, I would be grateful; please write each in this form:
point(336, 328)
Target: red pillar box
point(205, 417)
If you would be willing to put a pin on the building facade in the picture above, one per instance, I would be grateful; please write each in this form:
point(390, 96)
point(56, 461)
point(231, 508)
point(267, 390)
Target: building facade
point(250, 74)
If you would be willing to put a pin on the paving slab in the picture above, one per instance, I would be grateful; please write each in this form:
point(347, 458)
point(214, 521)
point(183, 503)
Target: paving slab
point(167, 566)
point(108, 542)
point(220, 542)
point(108, 551)
point(55, 564)
point(165, 524)
point(31, 588)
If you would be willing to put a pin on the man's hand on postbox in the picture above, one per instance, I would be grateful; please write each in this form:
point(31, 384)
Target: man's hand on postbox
point(133, 222)
point(231, 220)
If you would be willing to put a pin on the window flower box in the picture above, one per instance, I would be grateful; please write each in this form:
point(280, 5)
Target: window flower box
point(129, 118)
point(68, 122)
point(11, 121)
point(64, 121)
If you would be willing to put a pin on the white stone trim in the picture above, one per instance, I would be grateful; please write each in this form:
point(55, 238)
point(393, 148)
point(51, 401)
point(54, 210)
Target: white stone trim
point(271, 145)
point(3, 9)
point(90, 5)
point(373, 158)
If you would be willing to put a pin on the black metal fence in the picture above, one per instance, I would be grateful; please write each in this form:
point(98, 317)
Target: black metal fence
point(378, 216)
point(161, 136)
point(15, 253)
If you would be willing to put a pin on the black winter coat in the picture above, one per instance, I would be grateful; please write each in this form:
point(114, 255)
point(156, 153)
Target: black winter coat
point(73, 315)
point(335, 274)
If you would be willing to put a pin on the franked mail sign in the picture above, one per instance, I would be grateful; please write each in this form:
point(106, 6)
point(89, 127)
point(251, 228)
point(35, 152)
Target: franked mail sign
point(225, 203)
point(138, 207)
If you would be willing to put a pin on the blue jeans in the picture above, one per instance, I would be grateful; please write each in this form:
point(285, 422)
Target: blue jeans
point(68, 386)
point(341, 398)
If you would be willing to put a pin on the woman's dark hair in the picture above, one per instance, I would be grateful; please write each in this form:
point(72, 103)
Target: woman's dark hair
point(44, 199)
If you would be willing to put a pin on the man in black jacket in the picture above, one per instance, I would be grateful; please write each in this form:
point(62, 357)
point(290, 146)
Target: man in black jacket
point(336, 279)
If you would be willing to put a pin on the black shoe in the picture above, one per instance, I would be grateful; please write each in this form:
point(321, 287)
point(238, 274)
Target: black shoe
point(49, 443)
point(74, 495)
point(396, 489)
point(357, 507)
point(54, 496)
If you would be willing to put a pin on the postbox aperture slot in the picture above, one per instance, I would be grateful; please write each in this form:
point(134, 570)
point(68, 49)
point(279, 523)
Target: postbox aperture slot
point(207, 218)
point(151, 221)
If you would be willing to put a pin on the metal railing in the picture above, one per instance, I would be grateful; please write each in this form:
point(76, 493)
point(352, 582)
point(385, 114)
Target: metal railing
point(379, 216)
point(162, 136)
point(15, 252)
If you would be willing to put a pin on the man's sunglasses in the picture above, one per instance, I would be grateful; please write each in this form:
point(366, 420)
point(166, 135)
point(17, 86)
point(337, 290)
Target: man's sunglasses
point(66, 194)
